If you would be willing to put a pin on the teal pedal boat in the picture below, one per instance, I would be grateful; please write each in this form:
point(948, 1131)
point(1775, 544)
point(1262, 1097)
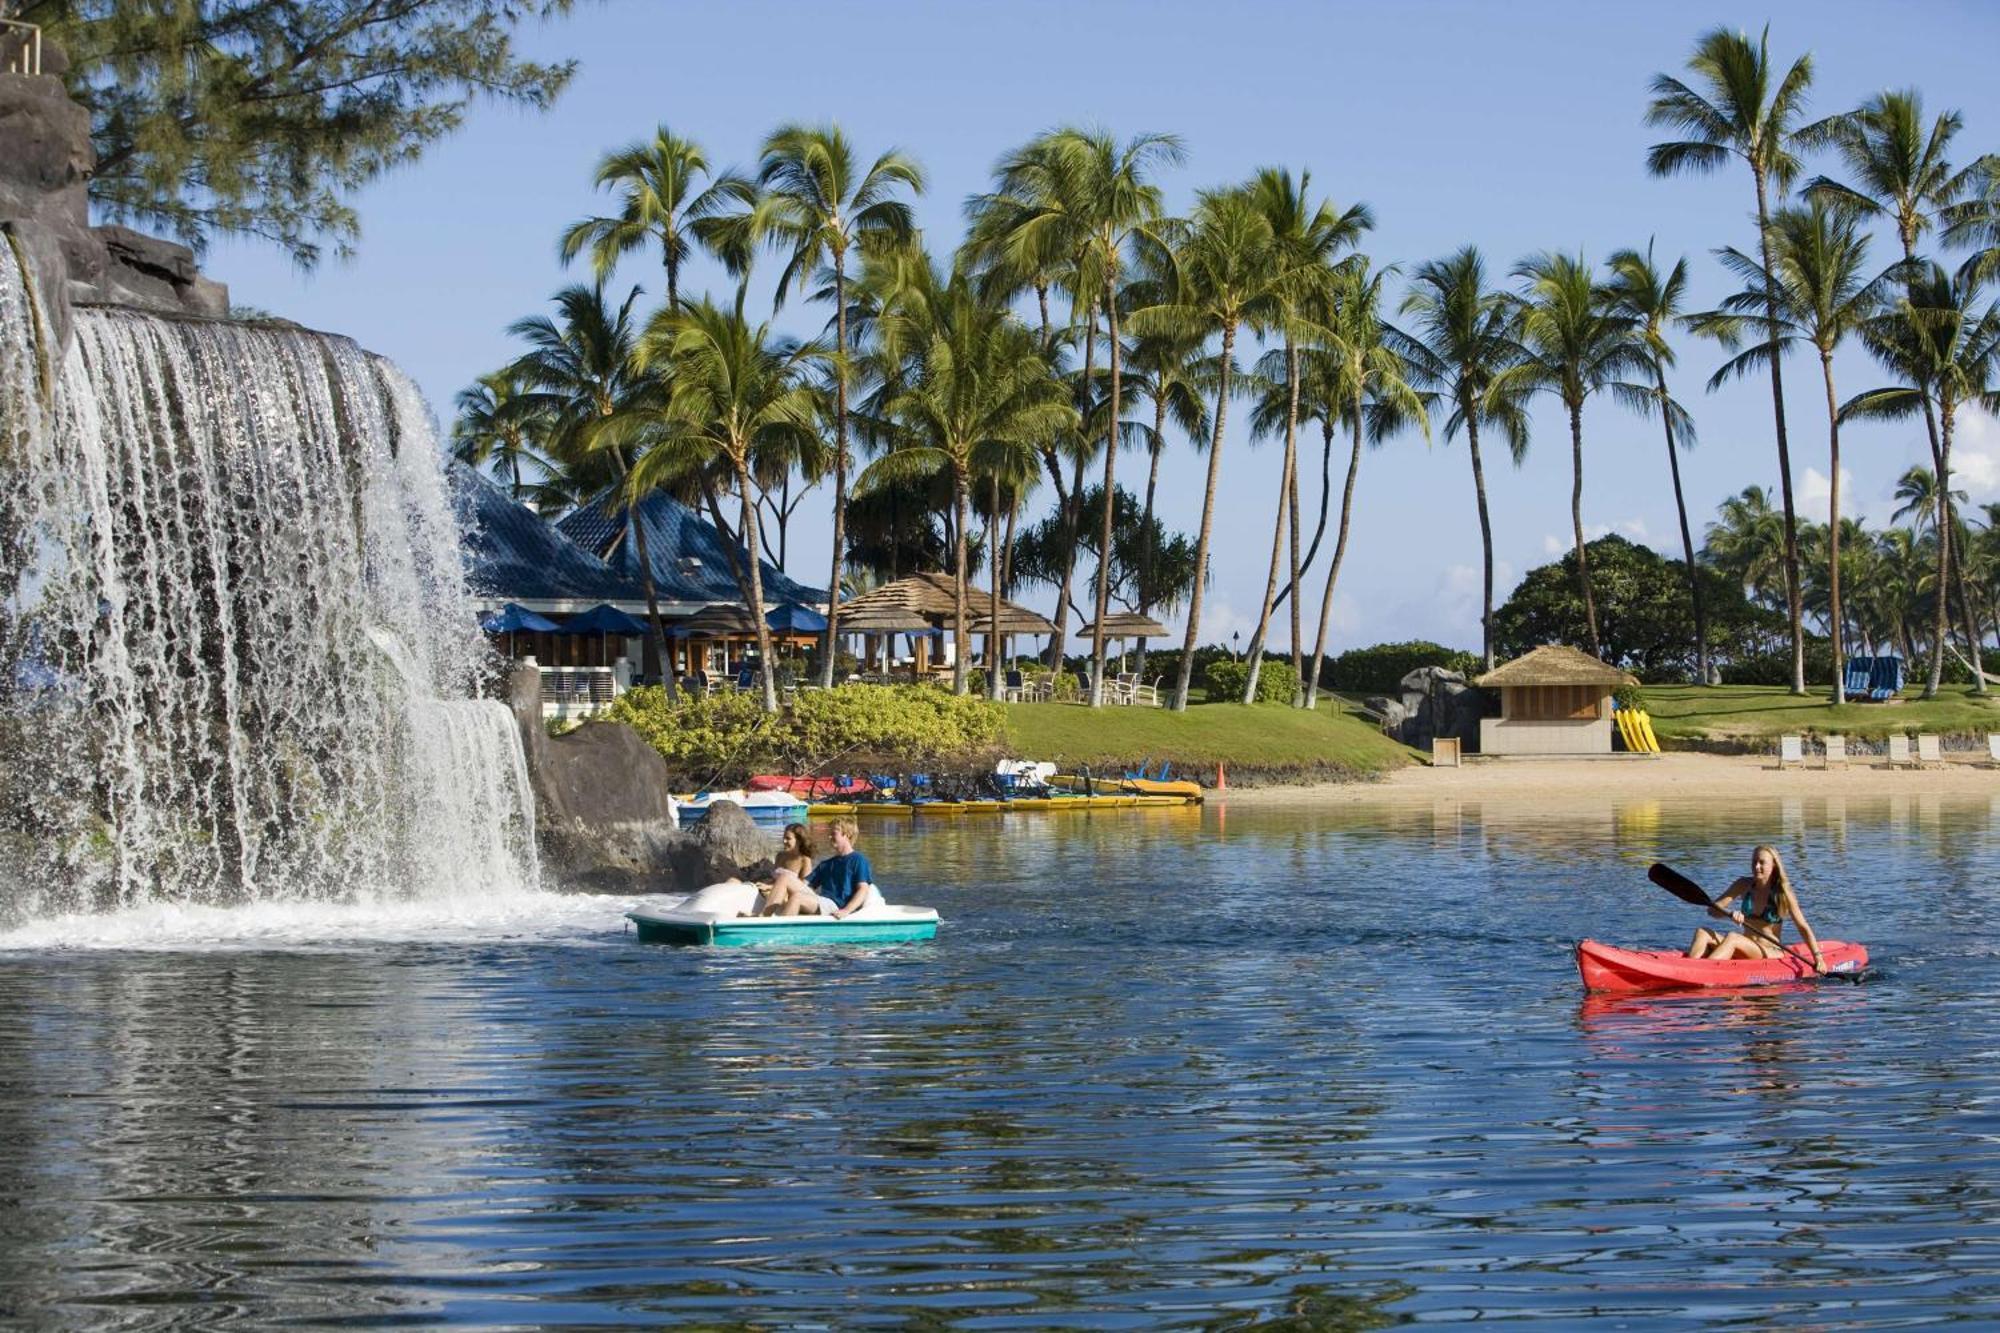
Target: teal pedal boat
point(883, 925)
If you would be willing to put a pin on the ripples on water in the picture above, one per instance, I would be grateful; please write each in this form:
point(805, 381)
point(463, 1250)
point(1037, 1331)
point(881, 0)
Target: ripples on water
point(1329, 1067)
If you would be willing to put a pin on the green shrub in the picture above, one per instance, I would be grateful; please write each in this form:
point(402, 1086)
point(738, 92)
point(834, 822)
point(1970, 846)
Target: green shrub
point(1277, 683)
point(724, 736)
point(1380, 668)
point(1775, 668)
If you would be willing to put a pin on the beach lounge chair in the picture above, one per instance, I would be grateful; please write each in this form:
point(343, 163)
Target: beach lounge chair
point(1899, 750)
point(1836, 752)
point(1791, 750)
point(1885, 679)
point(1928, 753)
point(1854, 684)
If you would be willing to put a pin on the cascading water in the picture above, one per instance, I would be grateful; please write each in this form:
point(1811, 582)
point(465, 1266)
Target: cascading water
point(237, 658)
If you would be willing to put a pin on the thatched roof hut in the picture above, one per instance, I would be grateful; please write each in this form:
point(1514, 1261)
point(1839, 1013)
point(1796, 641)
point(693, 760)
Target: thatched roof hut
point(1555, 700)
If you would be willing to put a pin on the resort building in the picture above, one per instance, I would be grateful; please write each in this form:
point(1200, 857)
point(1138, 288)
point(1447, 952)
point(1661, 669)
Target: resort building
point(1555, 700)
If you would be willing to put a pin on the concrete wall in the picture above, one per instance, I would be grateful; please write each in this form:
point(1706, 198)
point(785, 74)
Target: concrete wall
point(1499, 735)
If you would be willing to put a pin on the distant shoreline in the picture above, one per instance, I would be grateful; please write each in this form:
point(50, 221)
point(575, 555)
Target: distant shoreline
point(1673, 776)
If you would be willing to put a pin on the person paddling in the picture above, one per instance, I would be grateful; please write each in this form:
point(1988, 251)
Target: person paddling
point(1765, 897)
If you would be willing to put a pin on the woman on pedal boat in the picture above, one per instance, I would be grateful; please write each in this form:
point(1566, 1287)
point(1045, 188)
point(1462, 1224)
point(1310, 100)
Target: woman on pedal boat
point(1764, 898)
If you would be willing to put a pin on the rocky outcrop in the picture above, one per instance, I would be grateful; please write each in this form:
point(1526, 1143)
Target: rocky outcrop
point(46, 161)
point(1433, 702)
point(602, 812)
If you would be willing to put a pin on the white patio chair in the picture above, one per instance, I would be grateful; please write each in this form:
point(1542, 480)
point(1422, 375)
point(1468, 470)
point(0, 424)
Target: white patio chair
point(1791, 750)
point(1899, 750)
point(1147, 692)
point(1928, 754)
point(1836, 752)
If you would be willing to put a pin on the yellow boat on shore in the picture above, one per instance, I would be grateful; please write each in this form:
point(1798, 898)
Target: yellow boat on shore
point(1181, 790)
point(1026, 804)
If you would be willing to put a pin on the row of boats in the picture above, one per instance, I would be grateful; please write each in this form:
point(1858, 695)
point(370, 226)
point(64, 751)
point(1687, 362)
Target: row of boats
point(776, 799)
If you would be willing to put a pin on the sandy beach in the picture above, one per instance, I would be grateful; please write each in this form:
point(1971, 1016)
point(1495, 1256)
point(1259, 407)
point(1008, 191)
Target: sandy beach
point(1671, 776)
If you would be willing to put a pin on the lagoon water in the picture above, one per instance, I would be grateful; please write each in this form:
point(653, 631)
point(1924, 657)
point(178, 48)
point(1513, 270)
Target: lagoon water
point(1159, 1068)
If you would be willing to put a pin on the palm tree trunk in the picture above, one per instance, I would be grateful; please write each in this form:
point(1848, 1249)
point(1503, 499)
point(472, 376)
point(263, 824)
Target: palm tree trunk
point(1333, 570)
point(959, 640)
point(1298, 648)
point(1965, 602)
point(1576, 519)
point(1110, 494)
point(1794, 595)
point(1833, 532)
point(1006, 578)
point(1942, 615)
point(1687, 537)
point(1485, 527)
point(839, 468)
point(1146, 522)
point(1072, 508)
point(1186, 674)
point(995, 659)
point(756, 589)
point(1325, 497)
point(1269, 600)
point(657, 642)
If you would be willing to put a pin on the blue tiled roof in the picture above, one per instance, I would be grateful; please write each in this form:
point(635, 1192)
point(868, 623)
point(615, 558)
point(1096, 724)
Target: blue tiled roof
point(674, 534)
point(513, 554)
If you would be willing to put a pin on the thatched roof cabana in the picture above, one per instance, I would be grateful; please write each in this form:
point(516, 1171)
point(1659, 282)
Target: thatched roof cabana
point(1124, 625)
point(1555, 664)
point(929, 601)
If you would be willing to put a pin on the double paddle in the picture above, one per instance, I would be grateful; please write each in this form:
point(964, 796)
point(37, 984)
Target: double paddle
point(1685, 889)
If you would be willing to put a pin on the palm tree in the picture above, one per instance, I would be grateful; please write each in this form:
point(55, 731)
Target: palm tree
point(1377, 393)
point(1574, 342)
point(1822, 294)
point(1944, 345)
point(735, 391)
point(1306, 237)
point(1225, 276)
point(1461, 342)
point(1169, 377)
point(1748, 544)
point(580, 377)
point(816, 206)
point(977, 384)
point(1745, 110)
point(1901, 171)
point(662, 199)
point(496, 424)
point(1653, 300)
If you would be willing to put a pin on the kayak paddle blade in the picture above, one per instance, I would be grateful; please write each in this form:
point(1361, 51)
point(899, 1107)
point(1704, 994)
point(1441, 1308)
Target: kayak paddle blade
point(1674, 882)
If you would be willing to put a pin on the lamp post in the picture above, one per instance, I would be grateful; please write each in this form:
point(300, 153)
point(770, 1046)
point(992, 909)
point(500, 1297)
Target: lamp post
point(1236, 644)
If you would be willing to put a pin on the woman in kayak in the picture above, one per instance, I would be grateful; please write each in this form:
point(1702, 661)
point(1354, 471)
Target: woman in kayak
point(1765, 898)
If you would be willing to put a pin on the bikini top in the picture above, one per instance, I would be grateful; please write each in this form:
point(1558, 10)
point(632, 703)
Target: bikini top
point(1770, 916)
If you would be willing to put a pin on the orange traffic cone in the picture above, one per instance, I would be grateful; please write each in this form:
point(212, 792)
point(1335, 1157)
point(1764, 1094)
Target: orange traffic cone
point(1221, 778)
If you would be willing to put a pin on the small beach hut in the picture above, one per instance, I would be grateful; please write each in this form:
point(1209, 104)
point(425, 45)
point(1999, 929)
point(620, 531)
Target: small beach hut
point(929, 601)
point(1555, 700)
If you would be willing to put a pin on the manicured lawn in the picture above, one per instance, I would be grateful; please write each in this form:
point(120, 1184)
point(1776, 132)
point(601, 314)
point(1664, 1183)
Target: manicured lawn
point(1256, 738)
point(1746, 712)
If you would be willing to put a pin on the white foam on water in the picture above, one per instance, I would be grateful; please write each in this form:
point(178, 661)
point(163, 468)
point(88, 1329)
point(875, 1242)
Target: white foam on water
point(530, 916)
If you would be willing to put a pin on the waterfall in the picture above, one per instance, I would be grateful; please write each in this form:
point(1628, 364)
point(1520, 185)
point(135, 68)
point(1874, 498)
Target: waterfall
point(238, 662)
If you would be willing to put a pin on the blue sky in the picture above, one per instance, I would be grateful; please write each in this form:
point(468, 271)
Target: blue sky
point(1514, 126)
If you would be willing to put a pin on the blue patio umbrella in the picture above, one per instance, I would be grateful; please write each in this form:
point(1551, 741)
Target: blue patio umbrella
point(513, 619)
point(604, 619)
point(795, 619)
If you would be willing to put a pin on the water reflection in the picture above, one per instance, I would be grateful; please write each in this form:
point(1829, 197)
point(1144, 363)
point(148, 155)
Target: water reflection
point(1326, 1069)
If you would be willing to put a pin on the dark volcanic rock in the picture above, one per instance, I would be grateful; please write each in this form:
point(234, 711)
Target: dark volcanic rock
point(602, 812)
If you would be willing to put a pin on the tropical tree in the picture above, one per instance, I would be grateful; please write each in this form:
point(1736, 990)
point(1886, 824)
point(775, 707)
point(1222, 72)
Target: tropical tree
point(1225, 276)
point(1653, 300)
point(1745, 109)
point(735, 391)
point(977, 392)
point(1167, 372)
point(1574, 342)
point(1460, 341)
point(662, 199)
point(1747, 542)
point(497, 425)
point(1375, 388)
point(1942, 340)
point(1306, 238)
point(580, 377)
point(816, 206)
point(1822, 292)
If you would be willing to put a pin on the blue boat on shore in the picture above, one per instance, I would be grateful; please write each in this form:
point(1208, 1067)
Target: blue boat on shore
point(772, 809)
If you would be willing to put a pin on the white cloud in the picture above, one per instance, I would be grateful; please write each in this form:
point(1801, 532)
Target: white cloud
point(1817, 488)
point(1975, 454)
point(1553, 545)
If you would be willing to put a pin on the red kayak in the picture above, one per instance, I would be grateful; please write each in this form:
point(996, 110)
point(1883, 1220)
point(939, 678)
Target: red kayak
point(1606, 967)
point(810, 788)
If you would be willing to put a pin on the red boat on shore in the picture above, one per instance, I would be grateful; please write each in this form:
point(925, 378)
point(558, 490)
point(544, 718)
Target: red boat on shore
point(1607, 968)
point(810, 788)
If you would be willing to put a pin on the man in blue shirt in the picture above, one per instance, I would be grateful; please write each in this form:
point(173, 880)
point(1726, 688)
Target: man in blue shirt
point(844, 882)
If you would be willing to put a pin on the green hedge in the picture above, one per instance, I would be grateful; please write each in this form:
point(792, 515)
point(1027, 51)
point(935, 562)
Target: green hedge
point(722, 737)
point(1775, 668)
point(1277, 683)
point(1380, 668)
